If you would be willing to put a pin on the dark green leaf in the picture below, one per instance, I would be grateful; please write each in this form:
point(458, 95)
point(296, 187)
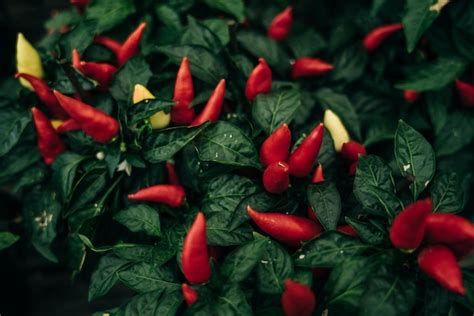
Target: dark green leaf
point(160, 302)
point(274, 267)
point(109, 13)
point(105, 275)
point(135, 71)
point(326, 202)
point(449, 193)
point(147, 108)
point(144, 277)
point(7, 239)
point(12, 125)
point(140, 218)
point(235, 8)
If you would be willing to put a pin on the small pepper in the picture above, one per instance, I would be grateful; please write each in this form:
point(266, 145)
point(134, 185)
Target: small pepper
point(276, 177)
point(280, 26)
point(276, 147)
point(95, 123)
point(158, 120)
point(318, 176)
point(411, 96)
point(108, 42)
point(195, 256)
point(172, 176)
point(408, 228)
point(131, 45)
point(49, 144)
point(68, 126)
point(190, 295)
point(28, 61)
point(289, 229)
point(170, 194)
point(353, 167)
point(466, 93)
point(440, 264)
point(309, 67)
point(259, 81)
point(45, 94)
point(213, 108)
point(375, 37)
point(103, 73)
point(352, 150)
point(302, 159)
point(181, 113)
point(347, 229)
point(337, 130)
point(297, 299)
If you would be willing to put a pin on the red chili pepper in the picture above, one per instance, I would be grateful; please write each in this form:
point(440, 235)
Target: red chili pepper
point(281, 25)
point(375, 37)
point(348, 230)
point(103, 73)
point(276, 177)
point(318, 176)
point(466, 93)
point(352, 150)
point(108, 42)
point(45, 94)
point(181, 113)
point(411, 96)
point(297, 299)
point(80, 5)
point(49, 144)
point(259, 81)
point(213, 108)
point(353, 167)
point(275, 148)
point(311, 214)
point(309, 66)
point(289, 229)
point(190, 295)
point(172, 176)
point(95, 123)
point(131, 45)
point(76, 59)
point(195, 257)
point(440, 264)
point(408, 228)
point(170, 194)
point(68, 126)
point(302, 159)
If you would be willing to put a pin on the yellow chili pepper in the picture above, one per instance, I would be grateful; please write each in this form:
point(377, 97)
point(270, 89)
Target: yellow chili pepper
point(28, 60)
point(337, 130)
point(157, 120)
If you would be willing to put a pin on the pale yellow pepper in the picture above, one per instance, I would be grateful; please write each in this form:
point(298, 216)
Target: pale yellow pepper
point(28, 60)
point(56, 123)
point(158, 120)
point(337, 130)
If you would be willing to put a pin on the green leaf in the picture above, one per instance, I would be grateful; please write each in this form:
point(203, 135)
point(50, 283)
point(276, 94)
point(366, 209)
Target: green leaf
point(367, 232)
point(415, 158)
point(274, 267)
point(64, 172)
point(12, 125)
point(455, 134)
point(235, 7)
point(144, 277)
point(109, 13)
point(17, 160)
point(449, 193)
point(140, 218)
point(87, 189)
point(160, 302)
point(220, 28)
point(135, 71)
point(168, 16)
point(232, 301)
point(328, 250)
point(200, 35)
point(271, 110)
point(105, 275)
point(349, 64)
point(80, 37)
point(326, 202)
point(7, 239)
point(157, 254)
point(146, 108)
point(227, 144)
point(306, 43)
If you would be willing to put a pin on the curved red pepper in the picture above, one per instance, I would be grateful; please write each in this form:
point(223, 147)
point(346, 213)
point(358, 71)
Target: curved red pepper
point(352, 150)
point(131, 45)
point(181, 113)
point(259, 81)
point(375, 37)
point(95, 123)
point(190, 295)
point(275, 148)
point(68, 126)
point(347, 229)
point(195, 256)
point(411, 96)
point(302, 159)
point(309, 66)
point(297, 299)
point(103, 73)
point(276, 177)
point(170, 194)
point(213, 108)
point(45, 94)
point(289, 229)
point(353, 167)
point(318, 175)
point(172, 176)
point(280, 26)
point(466, 93)
point(108, 42)
point(49, 144)
point(408, 228)
point(440, 264)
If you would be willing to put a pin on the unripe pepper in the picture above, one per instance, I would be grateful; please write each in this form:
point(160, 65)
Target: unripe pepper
point(276, 147)
point(466, 93)
point(68, 126)
point(309, 67)
point(28, 60)
point(213, 108)
point(108, 42)
point(131, 45)
point(172, 176)
point(95, 123)
point(195, 256)
point(408, 228)
point(440, 264)
point(352, 150)
point(259, 81)
point(276, 177)
point(170, 194)
point(411, 96)
point(297, 299)
point(280, 26)
point(318, 176)
point(190, 295)
point(289, 229)
point(302, 159)
point(347, 229)
point(375, 37)
point(45, 94)
point(337, 130)
point(49, 144)
point(181, 113)
point(158, 120)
